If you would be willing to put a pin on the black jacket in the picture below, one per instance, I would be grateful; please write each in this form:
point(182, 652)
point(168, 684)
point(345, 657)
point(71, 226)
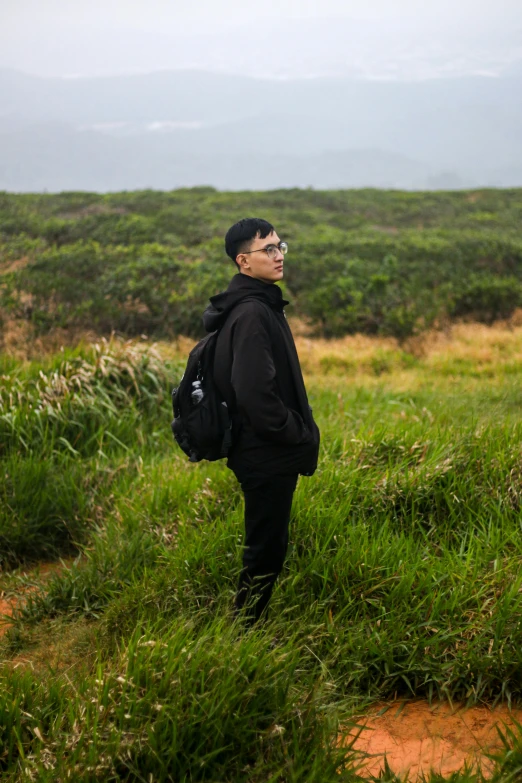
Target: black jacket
point(257, 371)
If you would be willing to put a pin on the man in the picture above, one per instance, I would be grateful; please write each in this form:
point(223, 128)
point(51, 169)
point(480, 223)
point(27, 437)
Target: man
point(257, 372)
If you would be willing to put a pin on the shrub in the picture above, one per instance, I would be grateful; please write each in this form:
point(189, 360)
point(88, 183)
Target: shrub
point(487, 298)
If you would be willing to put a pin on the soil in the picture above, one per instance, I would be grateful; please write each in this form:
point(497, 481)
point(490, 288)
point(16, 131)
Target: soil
point(57, 647)
point(414, 737)
point(417, 738)
point(13, 598)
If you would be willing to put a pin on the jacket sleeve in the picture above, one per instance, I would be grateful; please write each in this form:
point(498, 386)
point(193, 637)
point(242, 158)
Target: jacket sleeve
point(254, 383)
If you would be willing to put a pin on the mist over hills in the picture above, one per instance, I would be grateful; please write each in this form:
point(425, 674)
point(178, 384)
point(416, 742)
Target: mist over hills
point(182, 128)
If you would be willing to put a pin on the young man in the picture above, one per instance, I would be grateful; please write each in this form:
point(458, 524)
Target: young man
point(258, 374)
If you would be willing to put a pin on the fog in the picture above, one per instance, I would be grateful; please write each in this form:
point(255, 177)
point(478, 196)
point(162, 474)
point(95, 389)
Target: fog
point(338, 93)
point(64, 38)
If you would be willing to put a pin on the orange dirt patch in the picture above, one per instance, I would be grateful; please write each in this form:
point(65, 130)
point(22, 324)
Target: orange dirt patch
point(13, 599)
point(416, 738)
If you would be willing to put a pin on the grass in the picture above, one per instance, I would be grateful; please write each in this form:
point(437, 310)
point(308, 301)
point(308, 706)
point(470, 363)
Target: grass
point(403, 577)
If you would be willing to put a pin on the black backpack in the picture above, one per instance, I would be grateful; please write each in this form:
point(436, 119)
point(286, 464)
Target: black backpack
point(202, 425)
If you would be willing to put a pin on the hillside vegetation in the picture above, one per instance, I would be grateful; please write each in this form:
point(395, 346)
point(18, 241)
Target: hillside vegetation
point(380, 263)
point(403, 578)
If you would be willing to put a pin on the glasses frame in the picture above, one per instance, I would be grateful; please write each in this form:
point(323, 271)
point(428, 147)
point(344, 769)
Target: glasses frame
point(268, 249)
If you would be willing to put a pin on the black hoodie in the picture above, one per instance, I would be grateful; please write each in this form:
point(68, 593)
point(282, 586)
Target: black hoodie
point(257, 371)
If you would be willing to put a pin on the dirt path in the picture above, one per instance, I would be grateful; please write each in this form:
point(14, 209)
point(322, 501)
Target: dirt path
point(416, 737)
point(11, 598)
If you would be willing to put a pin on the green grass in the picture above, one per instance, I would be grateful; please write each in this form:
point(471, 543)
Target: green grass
point(403, 576)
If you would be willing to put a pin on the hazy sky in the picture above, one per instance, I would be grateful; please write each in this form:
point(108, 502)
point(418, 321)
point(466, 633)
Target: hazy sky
point(143, 8)
point(55, 36)
point(17, 14)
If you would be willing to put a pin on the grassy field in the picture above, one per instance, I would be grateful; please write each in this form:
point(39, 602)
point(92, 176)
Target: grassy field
point(403, 577)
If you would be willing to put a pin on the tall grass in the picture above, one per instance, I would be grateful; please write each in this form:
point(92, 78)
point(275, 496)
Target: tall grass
point(403, 576)
point(81, 404)
point(70, 427)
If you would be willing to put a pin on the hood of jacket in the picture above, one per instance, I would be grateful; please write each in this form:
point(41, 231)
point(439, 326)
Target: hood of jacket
point(241, 287)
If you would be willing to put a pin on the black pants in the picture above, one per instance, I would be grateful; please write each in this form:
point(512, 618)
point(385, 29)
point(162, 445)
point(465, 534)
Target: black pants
point(268, 502)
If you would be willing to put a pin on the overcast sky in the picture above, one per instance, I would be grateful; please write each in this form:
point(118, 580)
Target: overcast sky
point(27, 13)
point(55, 37)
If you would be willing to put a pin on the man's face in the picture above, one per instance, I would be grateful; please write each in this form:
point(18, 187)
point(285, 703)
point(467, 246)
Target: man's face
point(256, 262)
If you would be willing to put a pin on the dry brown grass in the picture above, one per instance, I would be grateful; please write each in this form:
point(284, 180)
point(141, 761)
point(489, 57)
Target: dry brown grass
point(18, 339)
point(466, 348)
point(6, 267)
point(482, 346)
point(54, 648)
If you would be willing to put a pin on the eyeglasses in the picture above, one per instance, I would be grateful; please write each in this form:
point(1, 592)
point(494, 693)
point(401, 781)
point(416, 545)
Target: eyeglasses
point(271, 250)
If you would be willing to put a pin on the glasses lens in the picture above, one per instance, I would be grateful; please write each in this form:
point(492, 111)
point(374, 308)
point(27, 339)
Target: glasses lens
point(273, 250)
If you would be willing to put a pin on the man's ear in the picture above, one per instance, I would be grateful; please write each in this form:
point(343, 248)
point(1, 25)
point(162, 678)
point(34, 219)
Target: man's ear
point(242, 261)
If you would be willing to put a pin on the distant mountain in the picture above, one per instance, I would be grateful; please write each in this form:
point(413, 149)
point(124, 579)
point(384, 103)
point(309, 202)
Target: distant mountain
point(180, 128)
point(54, 158)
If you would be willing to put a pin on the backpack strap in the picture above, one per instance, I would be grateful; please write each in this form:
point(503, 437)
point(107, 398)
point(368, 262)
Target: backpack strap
point(227, 440)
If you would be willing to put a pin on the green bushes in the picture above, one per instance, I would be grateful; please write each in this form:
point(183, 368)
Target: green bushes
point(132, 290)
point(361, 261)
point(486, 298)
point(358, 299)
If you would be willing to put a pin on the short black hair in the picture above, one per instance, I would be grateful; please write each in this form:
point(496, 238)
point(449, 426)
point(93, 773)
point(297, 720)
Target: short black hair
point(243, 232)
